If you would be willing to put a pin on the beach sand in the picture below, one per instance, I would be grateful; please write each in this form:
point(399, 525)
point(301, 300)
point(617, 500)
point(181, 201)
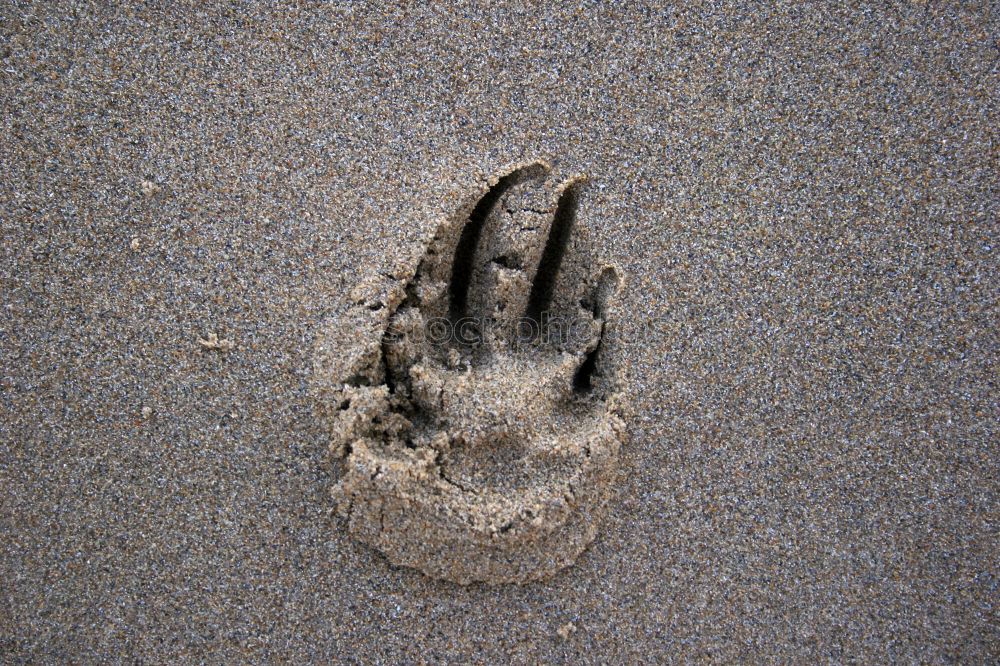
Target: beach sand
point(804, 201)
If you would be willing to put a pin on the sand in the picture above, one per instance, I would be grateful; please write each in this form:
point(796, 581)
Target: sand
point(803, 199)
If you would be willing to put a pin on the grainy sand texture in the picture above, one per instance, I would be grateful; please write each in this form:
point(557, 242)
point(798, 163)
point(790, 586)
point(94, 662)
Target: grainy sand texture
point(801, 199)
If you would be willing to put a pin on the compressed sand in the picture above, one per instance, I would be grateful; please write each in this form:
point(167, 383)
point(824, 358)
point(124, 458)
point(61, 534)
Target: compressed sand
point(486, 450)
point(804, 201)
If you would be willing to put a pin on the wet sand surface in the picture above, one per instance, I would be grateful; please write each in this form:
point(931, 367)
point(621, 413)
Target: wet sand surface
point(804, 200)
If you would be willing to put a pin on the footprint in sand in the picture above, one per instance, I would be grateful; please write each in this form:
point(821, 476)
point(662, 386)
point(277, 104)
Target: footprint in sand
point(473, 401)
